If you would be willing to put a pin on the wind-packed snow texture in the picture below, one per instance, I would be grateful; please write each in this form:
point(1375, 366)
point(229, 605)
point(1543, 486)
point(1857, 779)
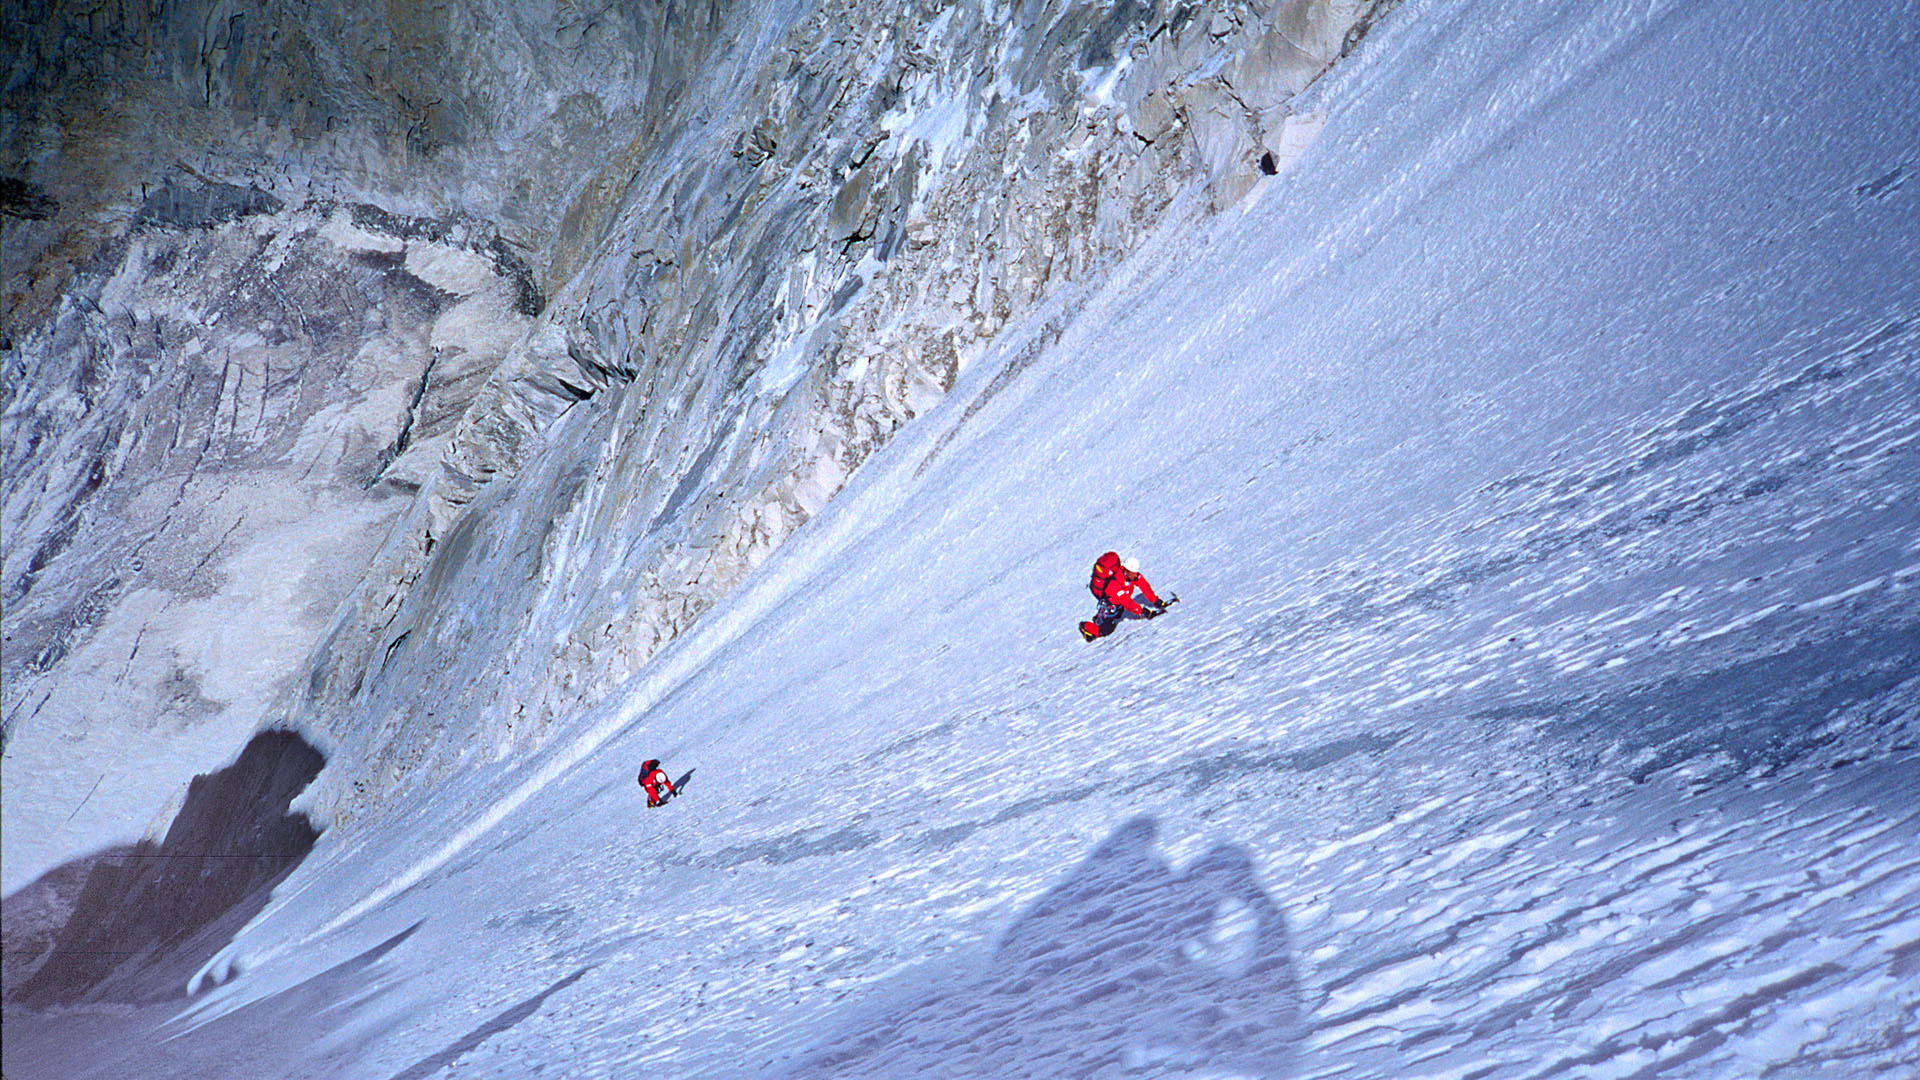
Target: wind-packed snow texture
point(1535, 460)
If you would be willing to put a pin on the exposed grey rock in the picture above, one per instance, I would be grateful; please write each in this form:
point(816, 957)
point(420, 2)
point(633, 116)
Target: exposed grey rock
point(23, 200)
point(186, 206)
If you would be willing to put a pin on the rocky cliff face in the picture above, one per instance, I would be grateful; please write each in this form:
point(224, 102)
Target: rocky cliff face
point(231, 406)
point(238, 394)
point(491, 110)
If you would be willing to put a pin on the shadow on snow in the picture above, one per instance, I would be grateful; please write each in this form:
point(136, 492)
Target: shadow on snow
point(1126, 966)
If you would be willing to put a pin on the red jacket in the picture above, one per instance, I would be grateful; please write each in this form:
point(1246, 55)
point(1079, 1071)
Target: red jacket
point(654, 779)
point(1114, 584)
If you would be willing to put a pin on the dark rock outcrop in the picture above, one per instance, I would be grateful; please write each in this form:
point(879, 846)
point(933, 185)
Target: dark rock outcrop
point(147, 918)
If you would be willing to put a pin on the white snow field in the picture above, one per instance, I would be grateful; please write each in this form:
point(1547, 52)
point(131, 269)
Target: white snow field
point(1537, 460)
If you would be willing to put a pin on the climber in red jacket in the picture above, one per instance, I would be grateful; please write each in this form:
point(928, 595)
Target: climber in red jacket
point(1114, 582)
point(654, 779)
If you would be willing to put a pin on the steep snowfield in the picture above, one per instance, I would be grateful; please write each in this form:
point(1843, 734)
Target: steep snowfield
point(1535, 460)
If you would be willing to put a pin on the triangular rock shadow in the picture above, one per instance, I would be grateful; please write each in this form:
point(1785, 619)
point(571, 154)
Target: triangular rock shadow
point(148, 916)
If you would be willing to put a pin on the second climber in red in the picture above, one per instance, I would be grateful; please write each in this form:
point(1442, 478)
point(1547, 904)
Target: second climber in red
point(1114, 583)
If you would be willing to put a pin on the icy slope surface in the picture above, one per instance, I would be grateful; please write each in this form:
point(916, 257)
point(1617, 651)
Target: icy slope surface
point(1535, 464)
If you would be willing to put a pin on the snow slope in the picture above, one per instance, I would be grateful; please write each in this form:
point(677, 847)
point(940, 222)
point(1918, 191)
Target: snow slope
point(1535, 459)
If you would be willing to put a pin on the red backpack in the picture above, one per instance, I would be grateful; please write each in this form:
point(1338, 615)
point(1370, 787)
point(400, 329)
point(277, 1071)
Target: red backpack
point(1104, 569)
